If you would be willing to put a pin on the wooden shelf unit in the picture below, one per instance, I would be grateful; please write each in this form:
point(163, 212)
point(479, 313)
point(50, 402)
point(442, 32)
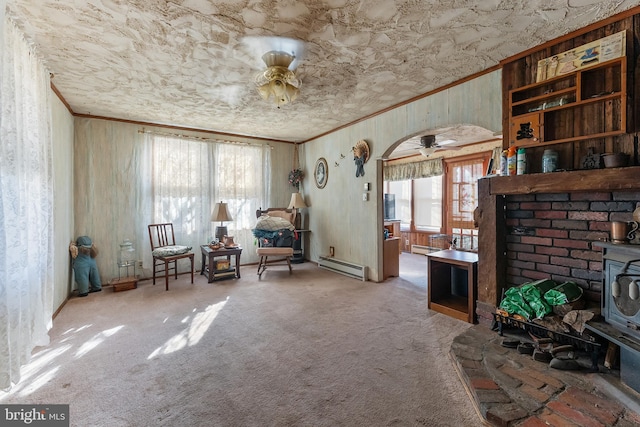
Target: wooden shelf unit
point(584, 104)
point(393, 227)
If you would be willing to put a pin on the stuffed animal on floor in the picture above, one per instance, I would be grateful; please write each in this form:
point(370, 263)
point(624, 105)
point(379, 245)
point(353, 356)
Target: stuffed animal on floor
point(83, 253)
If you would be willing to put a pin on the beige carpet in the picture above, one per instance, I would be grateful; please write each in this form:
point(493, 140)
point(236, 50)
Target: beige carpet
point(309, 349)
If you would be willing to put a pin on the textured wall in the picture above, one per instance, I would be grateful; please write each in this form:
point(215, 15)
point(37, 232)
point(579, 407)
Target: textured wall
point(338, 216)
point(105, 170)
point(62, 133)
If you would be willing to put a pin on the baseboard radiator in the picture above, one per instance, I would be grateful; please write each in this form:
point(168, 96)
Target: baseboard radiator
point(424, 250)
point(343, 267)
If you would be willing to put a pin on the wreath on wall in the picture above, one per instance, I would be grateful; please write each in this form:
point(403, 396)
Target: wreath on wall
point(295, 177)
point(296, 174)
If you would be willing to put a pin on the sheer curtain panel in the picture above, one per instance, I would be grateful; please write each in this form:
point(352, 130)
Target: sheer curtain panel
point(26, 204)
point(188, 177)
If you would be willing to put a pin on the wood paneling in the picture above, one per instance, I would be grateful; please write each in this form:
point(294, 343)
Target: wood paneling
point(597, 117)
point(559, 182)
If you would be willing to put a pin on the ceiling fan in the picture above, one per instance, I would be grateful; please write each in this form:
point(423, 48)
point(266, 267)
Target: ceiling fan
point(429, 145)
point(278, 82)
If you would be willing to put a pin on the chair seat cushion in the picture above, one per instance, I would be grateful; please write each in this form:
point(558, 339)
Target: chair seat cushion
point(171, 250)
point(274, 251)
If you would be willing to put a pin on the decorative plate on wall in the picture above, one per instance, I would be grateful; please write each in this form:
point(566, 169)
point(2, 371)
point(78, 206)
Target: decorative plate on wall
point(321, 172)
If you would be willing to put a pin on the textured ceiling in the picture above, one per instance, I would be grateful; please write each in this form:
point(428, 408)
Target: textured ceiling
point(187, 62)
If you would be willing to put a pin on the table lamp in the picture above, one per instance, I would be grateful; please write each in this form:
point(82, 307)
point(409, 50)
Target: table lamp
point(221, 213)
point(296, 203)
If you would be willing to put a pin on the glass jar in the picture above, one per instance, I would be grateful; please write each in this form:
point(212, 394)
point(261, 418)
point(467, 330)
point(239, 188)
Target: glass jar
point(549, 161)
point(127, 254)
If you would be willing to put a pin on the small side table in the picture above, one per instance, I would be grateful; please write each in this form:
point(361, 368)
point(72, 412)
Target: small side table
point(209, 262)
point(298, 248)
point(452, 283)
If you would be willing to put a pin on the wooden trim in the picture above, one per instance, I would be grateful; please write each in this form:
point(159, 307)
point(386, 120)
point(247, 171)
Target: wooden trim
point(611, 179)
point(61, 98)
point(141, 123)
point(55, 313)
point(469, 157)
point(591, 27)
point(492, 245)
point(408, 101)
point(448, 223)
point(183, 128)
point(226, 134)
point(595, 26)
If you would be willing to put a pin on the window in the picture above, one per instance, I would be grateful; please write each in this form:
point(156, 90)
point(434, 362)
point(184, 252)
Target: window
point(402, 191)
point(462, 198)
point(187, 178)
point(427, 194)
point(418, 201)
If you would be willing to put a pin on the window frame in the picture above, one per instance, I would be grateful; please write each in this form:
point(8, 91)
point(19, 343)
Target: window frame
point(450, 163)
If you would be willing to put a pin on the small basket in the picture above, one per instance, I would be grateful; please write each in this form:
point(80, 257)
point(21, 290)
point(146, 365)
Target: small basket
point(214, 246)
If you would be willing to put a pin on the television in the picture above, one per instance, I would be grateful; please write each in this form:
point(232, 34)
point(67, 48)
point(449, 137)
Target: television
point(389, 206)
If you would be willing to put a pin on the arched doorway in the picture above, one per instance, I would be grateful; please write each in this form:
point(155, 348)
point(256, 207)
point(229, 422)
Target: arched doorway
point(430, 178)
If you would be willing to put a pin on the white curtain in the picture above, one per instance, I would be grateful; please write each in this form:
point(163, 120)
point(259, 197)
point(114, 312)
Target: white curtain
point(26, 204)
point(182, 179)
point(243, 180)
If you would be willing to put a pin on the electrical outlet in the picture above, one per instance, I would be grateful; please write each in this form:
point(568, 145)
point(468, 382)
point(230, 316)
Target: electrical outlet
point(139, 264)
point(332, 251)
point(406, 242)
point(365, 196)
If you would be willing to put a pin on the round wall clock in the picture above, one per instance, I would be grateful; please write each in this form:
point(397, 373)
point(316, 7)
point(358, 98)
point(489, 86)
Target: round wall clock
point(321, 173)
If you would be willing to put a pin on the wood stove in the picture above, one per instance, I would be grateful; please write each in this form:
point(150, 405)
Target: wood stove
point(621, 290)
point(621, 307)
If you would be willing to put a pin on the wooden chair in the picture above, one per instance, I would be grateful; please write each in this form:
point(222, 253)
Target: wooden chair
point(283, 254)
point(166, 253)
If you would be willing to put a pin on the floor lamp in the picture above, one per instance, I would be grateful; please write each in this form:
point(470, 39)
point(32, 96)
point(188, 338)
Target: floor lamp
point(221, 213)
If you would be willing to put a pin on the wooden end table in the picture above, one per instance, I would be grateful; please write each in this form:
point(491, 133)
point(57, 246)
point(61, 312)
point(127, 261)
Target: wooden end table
point(452, 283)
point(209, 263)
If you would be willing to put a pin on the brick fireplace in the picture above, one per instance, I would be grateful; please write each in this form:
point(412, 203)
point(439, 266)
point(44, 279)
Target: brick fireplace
point(545, 226)
point(552, 226)
point(552, 235)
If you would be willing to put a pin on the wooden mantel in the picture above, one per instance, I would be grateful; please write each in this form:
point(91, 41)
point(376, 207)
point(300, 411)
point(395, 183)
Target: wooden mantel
point(492, 223)
point(613, 179)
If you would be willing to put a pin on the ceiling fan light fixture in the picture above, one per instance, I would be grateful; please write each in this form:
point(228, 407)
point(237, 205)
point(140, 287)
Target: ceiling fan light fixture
point(277, 81)
point(427, 151)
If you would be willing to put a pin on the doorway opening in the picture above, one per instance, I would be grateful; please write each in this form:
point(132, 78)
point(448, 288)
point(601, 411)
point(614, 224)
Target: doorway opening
point(434, 199)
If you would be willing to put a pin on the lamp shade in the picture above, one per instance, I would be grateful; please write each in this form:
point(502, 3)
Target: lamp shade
point(296, 201)
point(221, 213)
